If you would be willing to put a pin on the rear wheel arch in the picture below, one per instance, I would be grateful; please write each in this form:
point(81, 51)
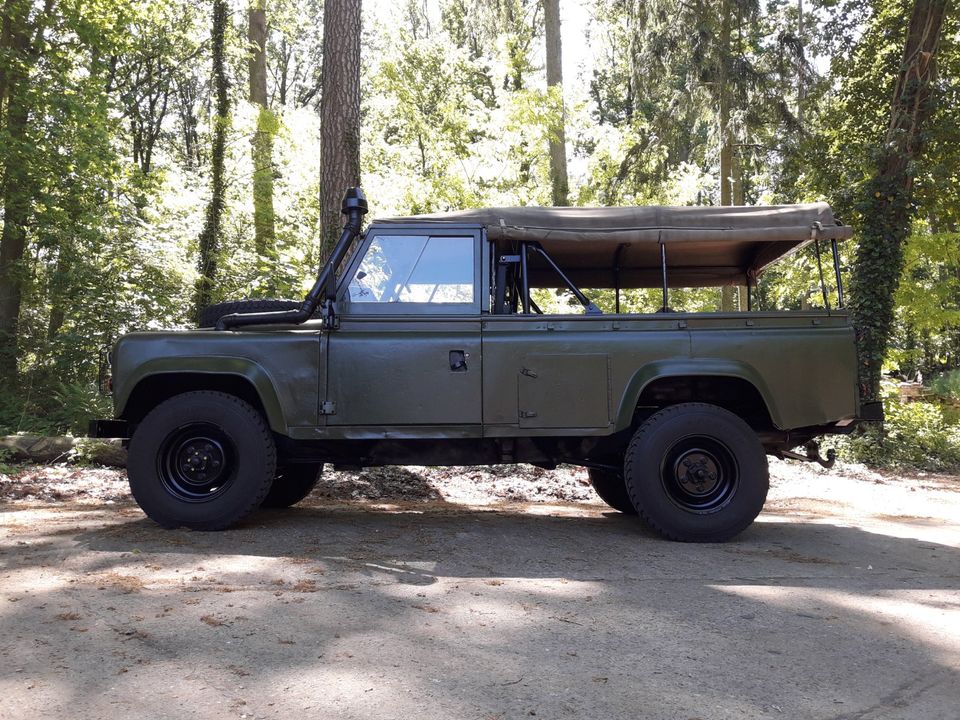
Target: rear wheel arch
point(744, 396)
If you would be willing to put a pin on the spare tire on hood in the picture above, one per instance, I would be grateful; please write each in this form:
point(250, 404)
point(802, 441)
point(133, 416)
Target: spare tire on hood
point(210, 314)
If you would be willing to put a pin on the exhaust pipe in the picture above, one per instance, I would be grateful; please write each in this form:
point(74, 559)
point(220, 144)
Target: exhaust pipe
point(354, 206)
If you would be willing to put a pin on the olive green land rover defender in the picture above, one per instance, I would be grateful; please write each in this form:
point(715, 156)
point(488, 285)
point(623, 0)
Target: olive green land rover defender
point(425, 346)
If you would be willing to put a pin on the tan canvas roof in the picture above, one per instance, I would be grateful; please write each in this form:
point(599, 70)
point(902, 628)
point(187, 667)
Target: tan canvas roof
point(704, 245)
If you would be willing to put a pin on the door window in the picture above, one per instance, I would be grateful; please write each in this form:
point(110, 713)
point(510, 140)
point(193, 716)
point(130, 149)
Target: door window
point(415, 269)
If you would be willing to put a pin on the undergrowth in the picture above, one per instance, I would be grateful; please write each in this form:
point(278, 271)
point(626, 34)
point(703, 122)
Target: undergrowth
point(921, 434)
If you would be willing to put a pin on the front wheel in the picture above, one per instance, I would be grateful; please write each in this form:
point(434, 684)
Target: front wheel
point(696, 473)
point(202, 460)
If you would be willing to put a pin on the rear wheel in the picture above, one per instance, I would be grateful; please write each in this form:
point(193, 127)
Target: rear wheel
point(696, 473)
point(291, 485)
point(202, 460)
point(612, 489)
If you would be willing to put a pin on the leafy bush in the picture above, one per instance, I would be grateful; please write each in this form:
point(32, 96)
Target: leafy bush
point(64, 411)
point(947, 385)
point(914, 434)
point(5, 457)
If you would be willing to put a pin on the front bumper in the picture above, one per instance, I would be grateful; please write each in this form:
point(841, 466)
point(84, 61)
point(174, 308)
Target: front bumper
point(109, 429)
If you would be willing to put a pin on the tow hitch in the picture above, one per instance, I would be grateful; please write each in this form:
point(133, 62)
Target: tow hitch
point(812, 455)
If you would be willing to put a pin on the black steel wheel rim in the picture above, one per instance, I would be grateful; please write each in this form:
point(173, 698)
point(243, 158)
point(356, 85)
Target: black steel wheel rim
point(197, 462)
point(700, 474)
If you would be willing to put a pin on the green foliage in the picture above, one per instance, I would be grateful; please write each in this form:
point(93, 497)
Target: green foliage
point(947, 386)
point(55, 408)
point(914, 435)
point(6, 468)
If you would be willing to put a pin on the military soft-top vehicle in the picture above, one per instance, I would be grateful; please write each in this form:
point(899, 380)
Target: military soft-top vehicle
point(425, 346)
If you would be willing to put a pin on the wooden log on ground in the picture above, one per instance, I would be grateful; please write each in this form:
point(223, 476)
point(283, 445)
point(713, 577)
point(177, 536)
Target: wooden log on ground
point(40, 449)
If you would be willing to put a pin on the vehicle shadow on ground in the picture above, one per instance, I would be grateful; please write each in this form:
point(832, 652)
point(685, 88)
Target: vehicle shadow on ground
point(459, 541)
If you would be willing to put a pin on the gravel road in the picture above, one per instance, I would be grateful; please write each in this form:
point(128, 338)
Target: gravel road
point(467, 593)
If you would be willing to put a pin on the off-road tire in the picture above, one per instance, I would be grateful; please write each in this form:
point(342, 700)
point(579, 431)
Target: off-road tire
point(612, 489)
point(210, 314)
point(679, 441)
point(215, 494)
point(291, 485)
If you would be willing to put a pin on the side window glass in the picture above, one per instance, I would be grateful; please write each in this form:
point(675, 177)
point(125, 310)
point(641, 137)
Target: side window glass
point(415, 268)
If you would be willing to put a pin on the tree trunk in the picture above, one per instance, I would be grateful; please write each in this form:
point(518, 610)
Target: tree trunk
point(263, 218)
point(728, 293)
point(724, 129)
point(16, 186)
point(739, 198)
point(6, 30)
point(339, 114)
point(558, 149)
point(209, 241)
point(887, 200)
point(187, 95)
point(13, 241)
point(58, 293)
point(800, 60)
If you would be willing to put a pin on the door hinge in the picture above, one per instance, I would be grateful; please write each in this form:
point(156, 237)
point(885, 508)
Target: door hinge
point(528, 413)
point(330, 318)
point(528, 372)
point(328, 407)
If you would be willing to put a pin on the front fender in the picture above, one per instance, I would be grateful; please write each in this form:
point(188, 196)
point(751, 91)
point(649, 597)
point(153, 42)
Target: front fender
point(244, 368)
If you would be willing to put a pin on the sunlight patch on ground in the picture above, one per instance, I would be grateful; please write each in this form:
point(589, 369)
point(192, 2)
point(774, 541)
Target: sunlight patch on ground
point(929, 616)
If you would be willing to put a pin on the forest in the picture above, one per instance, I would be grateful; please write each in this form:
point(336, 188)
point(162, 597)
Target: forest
point(157, 156)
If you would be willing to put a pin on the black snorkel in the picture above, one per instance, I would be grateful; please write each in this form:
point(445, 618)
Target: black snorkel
point(354, 206)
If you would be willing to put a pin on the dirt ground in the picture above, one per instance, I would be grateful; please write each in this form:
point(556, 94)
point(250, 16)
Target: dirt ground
point(469, 593)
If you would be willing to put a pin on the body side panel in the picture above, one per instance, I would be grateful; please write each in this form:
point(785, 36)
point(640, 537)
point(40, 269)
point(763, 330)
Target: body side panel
point(617, 345)
point(804, 367)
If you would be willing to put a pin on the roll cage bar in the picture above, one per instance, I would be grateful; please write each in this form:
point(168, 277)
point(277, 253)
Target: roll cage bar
point(512, 278)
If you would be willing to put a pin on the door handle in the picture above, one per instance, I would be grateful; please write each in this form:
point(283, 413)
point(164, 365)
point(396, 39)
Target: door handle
point(458, 360)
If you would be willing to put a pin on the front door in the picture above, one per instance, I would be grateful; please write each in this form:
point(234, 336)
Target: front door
point(407, 351)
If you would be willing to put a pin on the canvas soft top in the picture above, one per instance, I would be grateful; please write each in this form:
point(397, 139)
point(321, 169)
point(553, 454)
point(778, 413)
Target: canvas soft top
point(703, 245)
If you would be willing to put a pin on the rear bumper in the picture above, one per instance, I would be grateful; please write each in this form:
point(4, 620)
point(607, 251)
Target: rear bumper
point(109, 429)
point(869, 412)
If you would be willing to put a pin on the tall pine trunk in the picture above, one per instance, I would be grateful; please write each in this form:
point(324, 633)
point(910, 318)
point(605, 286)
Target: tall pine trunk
point(16, 183)
point(263, 217)
point(339, 114)
point(728, 293)
point(16, 211)
point(558, 150)
point(887, 197)
point(209, 241)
